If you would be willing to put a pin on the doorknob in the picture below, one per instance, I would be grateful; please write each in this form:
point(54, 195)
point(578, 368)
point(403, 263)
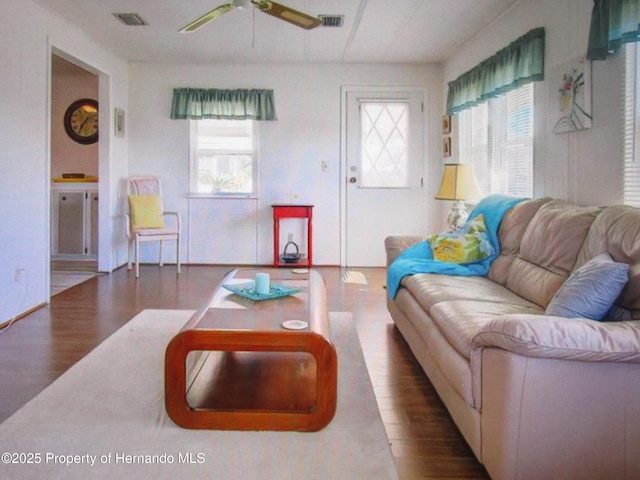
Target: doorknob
point(352, 180)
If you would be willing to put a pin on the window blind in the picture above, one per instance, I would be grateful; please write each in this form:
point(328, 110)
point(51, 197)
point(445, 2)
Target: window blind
point(631, 112)
point(475, 141)
point(224, 136)
point(516, 142)
point(496, 137)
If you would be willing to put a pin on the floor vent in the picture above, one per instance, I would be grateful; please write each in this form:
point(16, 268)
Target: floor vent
point(331, 20)
point(131, 19)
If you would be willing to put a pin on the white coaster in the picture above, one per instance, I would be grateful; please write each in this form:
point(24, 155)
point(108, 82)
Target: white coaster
point(294, 324)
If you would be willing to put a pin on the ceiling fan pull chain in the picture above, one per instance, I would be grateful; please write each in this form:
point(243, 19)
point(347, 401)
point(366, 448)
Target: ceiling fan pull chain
point(253, 29)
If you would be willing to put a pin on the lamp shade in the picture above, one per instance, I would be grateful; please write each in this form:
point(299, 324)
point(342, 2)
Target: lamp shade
point(458, 183)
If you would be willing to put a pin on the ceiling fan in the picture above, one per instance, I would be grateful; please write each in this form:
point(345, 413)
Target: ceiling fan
point(277, 10)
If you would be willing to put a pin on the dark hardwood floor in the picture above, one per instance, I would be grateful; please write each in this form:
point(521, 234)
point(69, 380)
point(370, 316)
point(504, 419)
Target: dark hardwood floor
point(43, 345)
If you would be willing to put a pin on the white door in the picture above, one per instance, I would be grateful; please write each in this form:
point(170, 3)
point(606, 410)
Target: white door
point(384, 172)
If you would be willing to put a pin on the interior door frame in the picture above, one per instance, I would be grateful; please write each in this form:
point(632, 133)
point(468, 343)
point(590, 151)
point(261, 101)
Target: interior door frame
point(104, 190)
point(345, 91)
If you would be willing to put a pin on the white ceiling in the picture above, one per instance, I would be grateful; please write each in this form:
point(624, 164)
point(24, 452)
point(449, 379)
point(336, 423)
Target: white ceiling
point(378, 31)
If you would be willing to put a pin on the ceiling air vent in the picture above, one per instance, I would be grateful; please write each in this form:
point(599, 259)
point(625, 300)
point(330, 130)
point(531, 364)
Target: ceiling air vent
point(331, 20)
point(131, 19)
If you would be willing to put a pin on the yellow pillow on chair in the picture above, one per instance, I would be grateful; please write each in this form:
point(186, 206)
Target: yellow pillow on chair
point(146, 211)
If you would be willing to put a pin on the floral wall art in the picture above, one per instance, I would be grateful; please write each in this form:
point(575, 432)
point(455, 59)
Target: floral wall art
point(570, 97)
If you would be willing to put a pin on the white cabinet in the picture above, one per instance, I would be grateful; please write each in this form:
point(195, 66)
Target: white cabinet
point(74, 220)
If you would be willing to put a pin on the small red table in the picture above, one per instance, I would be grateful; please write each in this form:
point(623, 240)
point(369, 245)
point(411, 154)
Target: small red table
point(292, 211)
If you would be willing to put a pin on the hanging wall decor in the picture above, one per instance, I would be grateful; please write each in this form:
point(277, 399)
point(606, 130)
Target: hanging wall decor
point(446, 124)
point(570, 97)
point(81, 121)
point(118, 122)
point(446, 147)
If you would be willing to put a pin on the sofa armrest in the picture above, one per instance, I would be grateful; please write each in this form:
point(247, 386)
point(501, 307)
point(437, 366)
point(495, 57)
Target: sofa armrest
point(395, 244)
point(546, 336)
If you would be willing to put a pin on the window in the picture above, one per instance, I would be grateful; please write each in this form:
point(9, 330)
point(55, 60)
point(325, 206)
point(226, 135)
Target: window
point(385, 144)
point(496, 137)
point(631, 110)
point(223, 157)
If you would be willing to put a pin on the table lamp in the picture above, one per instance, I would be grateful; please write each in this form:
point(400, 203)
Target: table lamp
point(458, 184)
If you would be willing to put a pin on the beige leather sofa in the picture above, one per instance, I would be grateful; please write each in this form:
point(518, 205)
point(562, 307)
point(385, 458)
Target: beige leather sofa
point(535, 396)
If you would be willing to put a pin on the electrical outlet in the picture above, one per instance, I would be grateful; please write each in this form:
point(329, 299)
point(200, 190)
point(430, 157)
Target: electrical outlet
point(17, 277)
point(324, 166)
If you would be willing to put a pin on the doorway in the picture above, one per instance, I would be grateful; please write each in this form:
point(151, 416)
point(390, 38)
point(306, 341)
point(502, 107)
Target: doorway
point(383, 165)
point(74, 166)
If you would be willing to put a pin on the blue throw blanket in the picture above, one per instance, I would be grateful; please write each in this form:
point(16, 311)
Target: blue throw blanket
point(419, 258)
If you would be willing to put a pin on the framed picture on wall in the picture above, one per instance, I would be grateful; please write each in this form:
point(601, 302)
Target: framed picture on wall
point(446, 124)
point(446, 147)
point(118, 122)
point(570, 106)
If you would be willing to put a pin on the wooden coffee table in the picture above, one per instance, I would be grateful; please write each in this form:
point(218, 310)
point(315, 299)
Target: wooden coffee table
point(233, 366)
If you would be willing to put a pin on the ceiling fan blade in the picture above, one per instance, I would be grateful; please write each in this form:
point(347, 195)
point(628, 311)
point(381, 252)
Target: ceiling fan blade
point(287, 14)
point(207, 17)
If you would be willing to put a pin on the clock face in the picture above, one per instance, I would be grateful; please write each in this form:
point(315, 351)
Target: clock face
point(81, 121)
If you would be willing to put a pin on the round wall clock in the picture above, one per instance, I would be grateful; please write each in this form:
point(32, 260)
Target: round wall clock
point(81, 121)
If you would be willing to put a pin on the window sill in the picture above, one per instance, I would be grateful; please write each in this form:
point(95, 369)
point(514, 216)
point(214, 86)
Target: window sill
point(224, 196)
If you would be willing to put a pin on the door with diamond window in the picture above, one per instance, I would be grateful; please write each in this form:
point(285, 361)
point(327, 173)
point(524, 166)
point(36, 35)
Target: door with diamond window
point(384, 172)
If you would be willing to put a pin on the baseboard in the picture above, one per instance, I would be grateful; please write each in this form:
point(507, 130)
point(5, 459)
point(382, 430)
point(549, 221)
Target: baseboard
point(20, 316)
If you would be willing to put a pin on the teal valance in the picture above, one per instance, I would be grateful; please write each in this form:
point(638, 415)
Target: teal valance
point(519, 63)
point(613, 23)
point(239, 104)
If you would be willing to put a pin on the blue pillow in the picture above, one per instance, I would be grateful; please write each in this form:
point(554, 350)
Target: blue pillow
point(590, 291)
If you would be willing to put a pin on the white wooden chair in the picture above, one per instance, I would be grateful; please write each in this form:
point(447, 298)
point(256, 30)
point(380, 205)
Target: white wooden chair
point(138, 226)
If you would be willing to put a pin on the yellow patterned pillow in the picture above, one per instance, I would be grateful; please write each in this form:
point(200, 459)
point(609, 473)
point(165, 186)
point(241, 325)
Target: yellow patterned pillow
point(146, 211)
point(465, 245)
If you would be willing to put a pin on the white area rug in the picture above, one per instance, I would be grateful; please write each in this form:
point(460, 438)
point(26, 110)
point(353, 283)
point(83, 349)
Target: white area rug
point(105, 418)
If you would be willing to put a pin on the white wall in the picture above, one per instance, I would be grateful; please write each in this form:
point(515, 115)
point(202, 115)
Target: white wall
point(27, 41)
point(586, 166)
point(291, 150)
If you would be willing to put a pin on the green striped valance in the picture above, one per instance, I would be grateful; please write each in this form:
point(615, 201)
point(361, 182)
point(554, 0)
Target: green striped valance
point(517, 64)
point(613, 23)
point(239, 104)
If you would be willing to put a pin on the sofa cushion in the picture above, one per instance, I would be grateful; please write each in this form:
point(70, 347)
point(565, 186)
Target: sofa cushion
point(451, 367)
point(617, 231)
point(459, 322)
point(549, 250)
point(512, 229)
point(590, 290)
point(429, 289)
